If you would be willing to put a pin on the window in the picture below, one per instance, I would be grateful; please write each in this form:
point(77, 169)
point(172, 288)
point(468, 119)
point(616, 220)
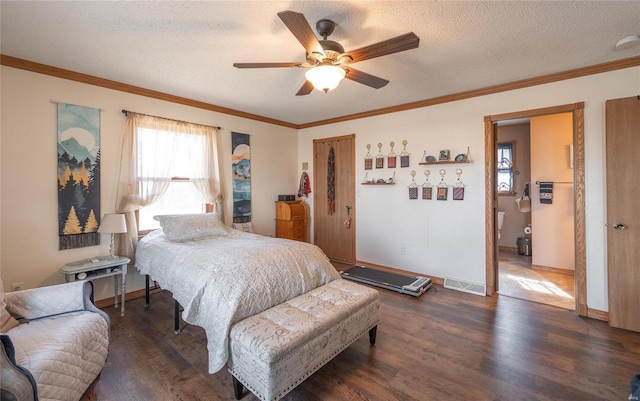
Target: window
point(168, 167)
point(180, 196)
point(505, 166)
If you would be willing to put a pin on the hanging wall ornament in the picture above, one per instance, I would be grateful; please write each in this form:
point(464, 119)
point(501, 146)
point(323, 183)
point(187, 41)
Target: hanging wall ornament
point(379, 157)
point(427, 188)
point(443, 188)
point(458, 187)
point(391, 157)
point(368, 160)
point(413, 187)
point(404, 156)
point(331, 183)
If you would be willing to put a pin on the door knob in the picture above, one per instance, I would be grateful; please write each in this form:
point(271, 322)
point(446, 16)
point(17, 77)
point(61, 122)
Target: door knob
point(619, 226)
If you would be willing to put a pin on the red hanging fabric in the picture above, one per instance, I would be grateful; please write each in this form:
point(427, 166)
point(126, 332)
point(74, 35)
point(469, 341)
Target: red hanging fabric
point(305, 185)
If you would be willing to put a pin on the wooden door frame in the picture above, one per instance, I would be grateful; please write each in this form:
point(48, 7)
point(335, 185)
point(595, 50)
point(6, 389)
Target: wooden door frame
point(491, 202)
point(351, 137)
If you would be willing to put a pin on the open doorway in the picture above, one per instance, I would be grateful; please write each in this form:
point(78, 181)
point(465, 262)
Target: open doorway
point(535, 236)
point(491, 196)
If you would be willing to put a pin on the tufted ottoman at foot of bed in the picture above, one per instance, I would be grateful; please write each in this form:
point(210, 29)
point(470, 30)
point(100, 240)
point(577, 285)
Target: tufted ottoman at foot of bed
point(274, 351)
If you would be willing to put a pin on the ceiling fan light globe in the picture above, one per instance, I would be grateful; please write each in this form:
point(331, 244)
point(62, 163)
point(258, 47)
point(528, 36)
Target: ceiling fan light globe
point(325, 77)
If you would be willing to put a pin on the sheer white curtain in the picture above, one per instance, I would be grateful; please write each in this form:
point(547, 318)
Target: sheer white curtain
point(149, 148)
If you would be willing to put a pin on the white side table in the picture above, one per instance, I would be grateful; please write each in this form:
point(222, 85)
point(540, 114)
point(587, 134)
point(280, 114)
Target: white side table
point(99, 267)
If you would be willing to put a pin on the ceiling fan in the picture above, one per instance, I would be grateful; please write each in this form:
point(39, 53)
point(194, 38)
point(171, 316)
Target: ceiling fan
point(327, 61)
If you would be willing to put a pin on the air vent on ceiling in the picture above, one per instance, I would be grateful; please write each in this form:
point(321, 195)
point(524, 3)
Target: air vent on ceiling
point(465, 286)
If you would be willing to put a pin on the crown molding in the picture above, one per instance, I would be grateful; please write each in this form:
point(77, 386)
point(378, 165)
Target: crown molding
point(523, 83)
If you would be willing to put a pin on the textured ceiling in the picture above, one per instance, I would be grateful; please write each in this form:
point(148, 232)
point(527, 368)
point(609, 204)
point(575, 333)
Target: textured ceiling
point(188, 49)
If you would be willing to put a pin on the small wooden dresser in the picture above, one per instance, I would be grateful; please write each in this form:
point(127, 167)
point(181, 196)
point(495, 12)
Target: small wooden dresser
point(291, 220)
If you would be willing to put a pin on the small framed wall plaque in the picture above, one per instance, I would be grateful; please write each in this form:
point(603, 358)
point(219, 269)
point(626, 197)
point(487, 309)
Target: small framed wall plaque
point(442, 193)
point(458, 187)
point(379, 157)
point(413, 187)
point(443, 188)
point(368, 160)
point(427, 188)
point(404, 156)
point(391, 157)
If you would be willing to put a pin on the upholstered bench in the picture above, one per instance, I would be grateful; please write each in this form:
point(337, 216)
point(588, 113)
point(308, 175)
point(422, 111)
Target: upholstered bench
point(274, 351)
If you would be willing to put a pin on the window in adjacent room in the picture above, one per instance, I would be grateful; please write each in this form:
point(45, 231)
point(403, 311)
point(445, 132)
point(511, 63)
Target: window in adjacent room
point(505, 176)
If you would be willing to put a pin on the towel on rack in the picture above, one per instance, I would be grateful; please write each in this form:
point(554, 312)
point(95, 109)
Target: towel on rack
point(546, 192)
point(524, 202)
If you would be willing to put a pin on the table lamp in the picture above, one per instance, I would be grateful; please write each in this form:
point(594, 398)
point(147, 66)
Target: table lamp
point(113, 223)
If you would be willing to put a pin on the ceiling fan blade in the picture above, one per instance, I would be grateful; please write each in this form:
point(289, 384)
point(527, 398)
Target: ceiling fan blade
point(365, 79)
point(305, 89)
point(300, 28)
point(394, 45)
point(265, 65)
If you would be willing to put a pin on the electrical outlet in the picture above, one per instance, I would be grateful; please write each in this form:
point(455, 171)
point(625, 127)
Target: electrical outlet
point(16, 286)
point(402, 250)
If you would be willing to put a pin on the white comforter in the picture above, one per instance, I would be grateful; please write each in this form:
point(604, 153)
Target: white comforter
point(222, 280)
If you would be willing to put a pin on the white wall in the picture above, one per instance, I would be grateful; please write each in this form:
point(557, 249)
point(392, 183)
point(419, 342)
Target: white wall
point(447, 239)
point(441, 238)
point(28, 214)
point(553, 235)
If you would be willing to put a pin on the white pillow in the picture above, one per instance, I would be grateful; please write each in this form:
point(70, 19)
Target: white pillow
point(7, 322)
point(246, 227)
point(189, 227)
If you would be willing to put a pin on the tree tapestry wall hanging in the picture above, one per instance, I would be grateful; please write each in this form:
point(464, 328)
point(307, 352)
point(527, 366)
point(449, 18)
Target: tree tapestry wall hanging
point(78, 176)
point(241, 171)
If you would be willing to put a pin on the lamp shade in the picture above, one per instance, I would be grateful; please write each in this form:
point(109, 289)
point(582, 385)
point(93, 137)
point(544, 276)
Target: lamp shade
point(113, 223)
point(325, 77)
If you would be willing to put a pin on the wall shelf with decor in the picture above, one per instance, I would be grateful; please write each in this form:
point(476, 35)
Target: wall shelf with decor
point(379, 181)
point(445, 158)
point(445, 162)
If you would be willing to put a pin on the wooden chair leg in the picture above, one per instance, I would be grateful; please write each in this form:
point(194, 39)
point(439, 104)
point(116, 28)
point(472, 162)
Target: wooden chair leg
point(372, 335)
point(237, 388)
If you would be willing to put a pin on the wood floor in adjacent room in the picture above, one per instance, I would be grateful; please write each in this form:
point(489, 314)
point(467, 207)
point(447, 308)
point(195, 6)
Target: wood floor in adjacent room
point(519, 280)
point(444, 345)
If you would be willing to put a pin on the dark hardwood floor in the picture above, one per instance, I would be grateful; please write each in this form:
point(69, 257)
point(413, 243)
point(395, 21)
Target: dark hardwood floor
point(445, 345)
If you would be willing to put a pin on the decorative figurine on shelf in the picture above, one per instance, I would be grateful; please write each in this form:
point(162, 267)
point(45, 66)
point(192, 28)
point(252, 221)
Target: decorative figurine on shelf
point(391, 157)
point(392, 180)
point(413, 187)
point(404, 156)
point(368, 160)
point(427, 189)
point(379, 157)
point(458, 187)
point(443, 188)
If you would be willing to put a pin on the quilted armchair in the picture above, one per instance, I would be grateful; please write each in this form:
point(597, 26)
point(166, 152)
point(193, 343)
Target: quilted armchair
point(59, 346)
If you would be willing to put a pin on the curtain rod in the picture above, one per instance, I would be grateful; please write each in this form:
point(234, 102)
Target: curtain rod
point(556, 182)
point(126, 113)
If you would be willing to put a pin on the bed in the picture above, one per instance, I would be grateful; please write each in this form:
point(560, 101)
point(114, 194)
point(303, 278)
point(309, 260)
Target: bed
point(220, 275)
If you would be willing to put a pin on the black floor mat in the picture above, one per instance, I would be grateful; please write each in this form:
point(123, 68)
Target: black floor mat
point(414, 286)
